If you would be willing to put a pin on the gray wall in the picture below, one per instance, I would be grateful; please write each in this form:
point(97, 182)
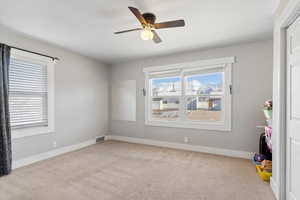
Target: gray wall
point(81, 98)
point(282, 5)
point(252, 85)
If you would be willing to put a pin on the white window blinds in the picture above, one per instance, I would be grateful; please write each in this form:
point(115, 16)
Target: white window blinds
point(28, 92)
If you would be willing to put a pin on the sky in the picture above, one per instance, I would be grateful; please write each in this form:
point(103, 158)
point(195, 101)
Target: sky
point(157, 82)
point(198, 81)
point(207, 79)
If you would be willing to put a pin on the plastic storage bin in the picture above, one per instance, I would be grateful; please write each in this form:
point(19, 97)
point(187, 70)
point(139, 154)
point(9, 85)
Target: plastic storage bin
point(263, 175)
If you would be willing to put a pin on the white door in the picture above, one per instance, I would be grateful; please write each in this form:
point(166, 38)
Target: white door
point(293, 111)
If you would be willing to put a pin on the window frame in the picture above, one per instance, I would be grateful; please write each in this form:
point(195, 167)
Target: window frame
point(31, 131)
point(202, 65)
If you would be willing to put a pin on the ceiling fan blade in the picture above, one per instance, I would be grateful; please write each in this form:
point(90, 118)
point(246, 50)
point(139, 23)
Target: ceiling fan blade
point(170, 24)
point(138, 15)
point(156, 38)
point(130, 30)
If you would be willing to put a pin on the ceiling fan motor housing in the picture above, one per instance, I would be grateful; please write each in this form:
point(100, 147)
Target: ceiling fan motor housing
point(150, 18)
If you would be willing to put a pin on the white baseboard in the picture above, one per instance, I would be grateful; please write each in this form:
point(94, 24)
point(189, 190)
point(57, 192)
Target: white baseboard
point(196, 148)
point(274, 188)
point(50, 154)
point(59, 151)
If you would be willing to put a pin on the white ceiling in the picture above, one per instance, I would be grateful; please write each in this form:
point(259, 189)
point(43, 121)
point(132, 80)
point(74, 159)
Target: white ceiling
point(87, 26)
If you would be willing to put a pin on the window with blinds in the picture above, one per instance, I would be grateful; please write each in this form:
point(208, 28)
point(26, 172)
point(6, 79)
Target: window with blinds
point(28, 91)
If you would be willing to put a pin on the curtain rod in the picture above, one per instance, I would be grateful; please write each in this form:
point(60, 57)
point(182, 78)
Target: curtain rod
point(40, 54)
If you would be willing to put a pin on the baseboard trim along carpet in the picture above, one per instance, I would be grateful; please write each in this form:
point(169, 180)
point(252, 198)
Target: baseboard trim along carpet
point(50, 154)
point(189, 147)
point(274, 188)
point(196, 148)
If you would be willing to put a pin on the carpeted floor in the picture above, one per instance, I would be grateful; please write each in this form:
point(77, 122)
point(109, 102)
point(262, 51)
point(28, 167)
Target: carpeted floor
point(122, 171)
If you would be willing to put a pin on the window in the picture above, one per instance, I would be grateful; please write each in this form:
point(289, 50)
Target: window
point(30, 94)
point(166, 94)
point(204, 95)
point(190, 95)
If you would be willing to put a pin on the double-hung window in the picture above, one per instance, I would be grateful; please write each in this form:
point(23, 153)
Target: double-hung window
point(30, 94)
point(190, 95)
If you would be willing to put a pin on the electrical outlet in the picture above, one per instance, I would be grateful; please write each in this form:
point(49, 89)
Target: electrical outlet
point(186, 139)
point(54, 144)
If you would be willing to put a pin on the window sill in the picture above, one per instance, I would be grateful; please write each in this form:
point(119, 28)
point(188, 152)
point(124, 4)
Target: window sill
point(28, 132)
point(191, 125)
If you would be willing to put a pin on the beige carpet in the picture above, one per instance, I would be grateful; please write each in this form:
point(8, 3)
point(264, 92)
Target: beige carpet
point(122, 171)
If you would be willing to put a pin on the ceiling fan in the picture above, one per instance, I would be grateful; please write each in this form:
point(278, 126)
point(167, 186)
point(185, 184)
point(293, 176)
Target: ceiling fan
point(147, 21)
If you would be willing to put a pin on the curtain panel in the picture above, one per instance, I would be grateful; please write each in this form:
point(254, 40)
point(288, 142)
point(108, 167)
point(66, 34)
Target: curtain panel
point(5, 130)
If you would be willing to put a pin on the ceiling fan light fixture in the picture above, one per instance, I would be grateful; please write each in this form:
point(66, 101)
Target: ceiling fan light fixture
point(147, 34)
point(147, 21)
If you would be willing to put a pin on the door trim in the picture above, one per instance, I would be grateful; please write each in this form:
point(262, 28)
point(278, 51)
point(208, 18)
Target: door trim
point(287, 17)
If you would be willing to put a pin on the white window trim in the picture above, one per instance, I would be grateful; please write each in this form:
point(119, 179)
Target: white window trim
point(31, 131)
point(225, 63)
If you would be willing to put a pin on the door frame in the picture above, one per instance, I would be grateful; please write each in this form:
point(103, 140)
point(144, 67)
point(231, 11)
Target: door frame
point(282, 22)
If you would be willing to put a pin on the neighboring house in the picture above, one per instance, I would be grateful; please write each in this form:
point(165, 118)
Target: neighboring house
point(201, 103)
point(170, 104)
point(165, 104)
point(198, 103)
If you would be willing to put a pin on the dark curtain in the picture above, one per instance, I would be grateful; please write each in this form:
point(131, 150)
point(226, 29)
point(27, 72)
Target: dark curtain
point(5, 133)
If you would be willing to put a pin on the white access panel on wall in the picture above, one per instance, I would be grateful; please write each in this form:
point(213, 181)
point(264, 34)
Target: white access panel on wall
point(124, 100)
point(293, 111)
